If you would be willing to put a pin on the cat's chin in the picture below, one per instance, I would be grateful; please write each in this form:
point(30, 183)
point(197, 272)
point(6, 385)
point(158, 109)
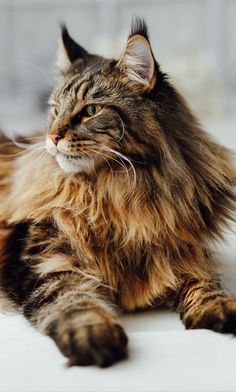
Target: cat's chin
point(71, 164)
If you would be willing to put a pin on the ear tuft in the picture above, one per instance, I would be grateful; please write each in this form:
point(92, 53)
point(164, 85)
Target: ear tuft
point(139, 27)
point(69, 51)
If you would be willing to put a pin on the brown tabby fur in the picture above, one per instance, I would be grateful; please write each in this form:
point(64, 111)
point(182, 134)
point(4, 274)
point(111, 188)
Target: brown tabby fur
point(131, 234)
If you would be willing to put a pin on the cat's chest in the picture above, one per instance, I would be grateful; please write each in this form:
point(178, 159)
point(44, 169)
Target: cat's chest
point(105, 229)
point(122, 263)
point(116, 246)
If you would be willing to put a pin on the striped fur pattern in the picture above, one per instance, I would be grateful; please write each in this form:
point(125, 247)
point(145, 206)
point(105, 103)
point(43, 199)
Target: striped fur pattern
point(118, 210)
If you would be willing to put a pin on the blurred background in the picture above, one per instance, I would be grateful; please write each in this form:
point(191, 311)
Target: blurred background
point(193, 40)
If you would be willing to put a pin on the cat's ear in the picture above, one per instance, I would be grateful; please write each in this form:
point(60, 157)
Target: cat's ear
point(137, 60)
point(69, 51)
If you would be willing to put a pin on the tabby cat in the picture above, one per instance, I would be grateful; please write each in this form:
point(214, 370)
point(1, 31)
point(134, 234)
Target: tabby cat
point(118, 210)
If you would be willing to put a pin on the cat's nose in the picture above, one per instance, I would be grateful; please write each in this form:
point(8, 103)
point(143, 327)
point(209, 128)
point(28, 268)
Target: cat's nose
point(55, 138)
point(60, 134)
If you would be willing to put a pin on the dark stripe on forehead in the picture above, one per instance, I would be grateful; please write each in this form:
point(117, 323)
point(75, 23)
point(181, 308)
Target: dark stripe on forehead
point(78, 85)
point(100, 94)
point(85, 81)
point(86, 89)
point(69, 84)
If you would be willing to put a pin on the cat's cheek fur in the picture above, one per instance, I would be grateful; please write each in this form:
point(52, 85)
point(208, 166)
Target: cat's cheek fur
point(71, 165)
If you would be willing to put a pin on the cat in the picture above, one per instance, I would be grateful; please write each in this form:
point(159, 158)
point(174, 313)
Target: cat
point(118, 210)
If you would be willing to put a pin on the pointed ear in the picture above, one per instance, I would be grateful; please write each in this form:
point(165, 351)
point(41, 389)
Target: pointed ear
point(137, 60)
point(69, 51)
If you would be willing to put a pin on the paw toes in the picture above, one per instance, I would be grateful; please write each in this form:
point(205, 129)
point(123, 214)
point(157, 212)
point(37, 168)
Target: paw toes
point(220, 317)
point(230, 323)
point(99, 344)
point(108, 347)
point(82, 358)
point(106, 355)
point(211, 321)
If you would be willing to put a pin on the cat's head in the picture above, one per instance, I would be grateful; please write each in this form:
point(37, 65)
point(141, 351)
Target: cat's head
point(102, 111)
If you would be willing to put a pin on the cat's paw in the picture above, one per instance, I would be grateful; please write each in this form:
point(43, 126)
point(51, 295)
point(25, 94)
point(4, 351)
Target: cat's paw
point(89, 337)
point(219, 316)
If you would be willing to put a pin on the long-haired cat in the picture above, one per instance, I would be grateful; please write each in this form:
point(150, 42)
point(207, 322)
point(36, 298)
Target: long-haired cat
point(118, 210)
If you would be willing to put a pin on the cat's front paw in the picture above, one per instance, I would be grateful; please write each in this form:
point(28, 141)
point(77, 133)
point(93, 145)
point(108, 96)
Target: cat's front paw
point(89, 337)
point(219, 316)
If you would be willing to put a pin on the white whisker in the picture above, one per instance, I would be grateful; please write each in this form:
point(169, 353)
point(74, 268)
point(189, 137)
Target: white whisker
point(123, 127)
point(43, 72)
point(122, 158)
point(106, 160)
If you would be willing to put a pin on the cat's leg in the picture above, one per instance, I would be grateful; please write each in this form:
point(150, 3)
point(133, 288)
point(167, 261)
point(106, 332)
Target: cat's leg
point(73, 308)
point(76, 314)
point(203, 304)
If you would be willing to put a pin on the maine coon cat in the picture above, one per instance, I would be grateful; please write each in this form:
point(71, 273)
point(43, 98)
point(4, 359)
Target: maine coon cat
point(118, 210)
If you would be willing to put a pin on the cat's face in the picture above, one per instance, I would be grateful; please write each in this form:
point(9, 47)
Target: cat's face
point(99, 106)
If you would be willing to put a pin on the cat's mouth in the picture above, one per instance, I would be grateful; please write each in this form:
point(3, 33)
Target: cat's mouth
point(69, 156)
point(70, 163)
point(74, 163)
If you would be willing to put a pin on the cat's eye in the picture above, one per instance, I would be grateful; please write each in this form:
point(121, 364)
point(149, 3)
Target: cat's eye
point(54, 110)
point(93, 109)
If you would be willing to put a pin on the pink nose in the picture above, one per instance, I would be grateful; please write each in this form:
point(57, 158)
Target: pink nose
point(55, 138)
point(59, 134)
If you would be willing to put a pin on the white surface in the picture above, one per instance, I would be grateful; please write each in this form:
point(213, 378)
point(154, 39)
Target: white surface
point(162, 357)
point(163, 361)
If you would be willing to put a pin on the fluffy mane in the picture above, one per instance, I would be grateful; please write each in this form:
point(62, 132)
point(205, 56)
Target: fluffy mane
point(110, 214)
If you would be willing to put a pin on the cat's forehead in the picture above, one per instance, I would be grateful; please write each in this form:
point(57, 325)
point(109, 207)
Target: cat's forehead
point(95, 81)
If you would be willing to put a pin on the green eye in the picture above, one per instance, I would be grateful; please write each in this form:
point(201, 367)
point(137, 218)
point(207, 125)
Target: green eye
point(91, 110)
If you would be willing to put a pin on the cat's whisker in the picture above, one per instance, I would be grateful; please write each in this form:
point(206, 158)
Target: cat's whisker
point(36, 86)
point(25, 148)
point(123, 158)
point(120, 162)
point(10, 137)
point(123, 127)
point(18, 143)
point(25, 145)
point(37, 68)
point(106, 160)
point(101, 154)
point(86, 153)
